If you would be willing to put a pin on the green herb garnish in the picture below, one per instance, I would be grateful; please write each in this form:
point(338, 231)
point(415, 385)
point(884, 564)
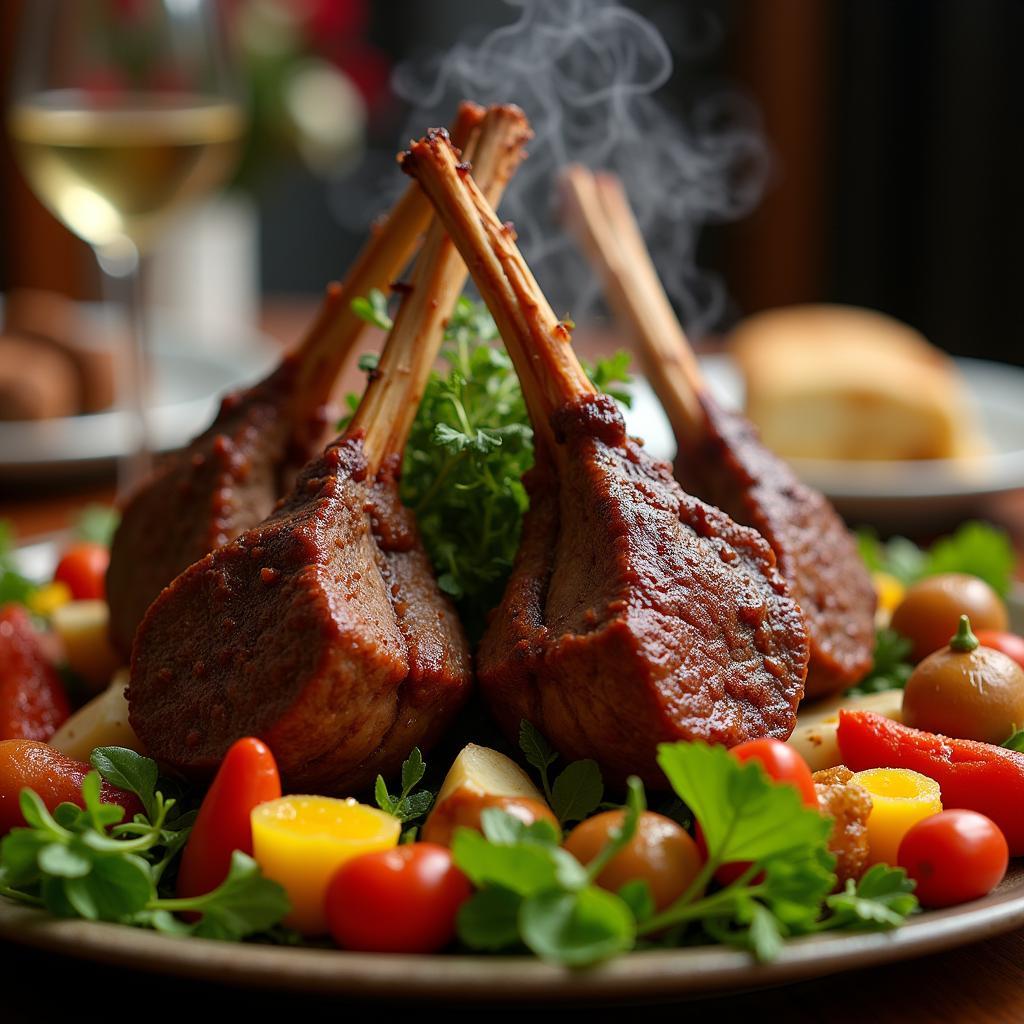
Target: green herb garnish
point(891, 668)
point(89, 863)
point(976, 548)
point(407, 805)
point(577, 791)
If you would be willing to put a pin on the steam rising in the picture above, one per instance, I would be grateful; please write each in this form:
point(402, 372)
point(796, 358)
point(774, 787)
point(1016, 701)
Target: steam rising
point(585, 72)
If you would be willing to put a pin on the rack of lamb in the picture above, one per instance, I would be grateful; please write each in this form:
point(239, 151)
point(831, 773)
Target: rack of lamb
point(322, 630)
point(635, 614)
point(231, 475)
point(720, 455)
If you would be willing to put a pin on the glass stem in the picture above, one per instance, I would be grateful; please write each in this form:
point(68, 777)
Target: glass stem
point(123, 271)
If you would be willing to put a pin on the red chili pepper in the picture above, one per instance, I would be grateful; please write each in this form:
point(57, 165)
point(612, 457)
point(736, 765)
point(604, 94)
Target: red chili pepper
point(56, 778)
point(33, 704)
point(971, 775)
point(246, 778)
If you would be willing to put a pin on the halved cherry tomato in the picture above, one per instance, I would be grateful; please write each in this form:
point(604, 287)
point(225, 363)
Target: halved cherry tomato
point(781, 764)
point(954, 857)
point(55, 777)
point(247, 777)
point(402, 900)
point(83, 567)
point(1009, 643)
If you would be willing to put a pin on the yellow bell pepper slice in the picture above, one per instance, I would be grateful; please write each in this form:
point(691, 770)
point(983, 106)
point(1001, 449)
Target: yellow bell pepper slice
point(889, 592)
point(899, 799)
point(301, 841)
point(45, 600)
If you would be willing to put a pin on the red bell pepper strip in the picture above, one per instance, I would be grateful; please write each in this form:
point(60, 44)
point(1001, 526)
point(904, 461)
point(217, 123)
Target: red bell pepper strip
point(246, 778)
point(33, 704)
point(56, 778)
point(971, 775)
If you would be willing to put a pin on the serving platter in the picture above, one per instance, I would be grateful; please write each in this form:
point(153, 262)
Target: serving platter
point(502, 979)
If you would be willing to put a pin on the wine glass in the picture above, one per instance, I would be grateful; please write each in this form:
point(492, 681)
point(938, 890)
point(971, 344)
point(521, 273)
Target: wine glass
point(123, 112)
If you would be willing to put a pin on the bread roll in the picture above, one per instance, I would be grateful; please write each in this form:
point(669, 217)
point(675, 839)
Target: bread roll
point(837, 382)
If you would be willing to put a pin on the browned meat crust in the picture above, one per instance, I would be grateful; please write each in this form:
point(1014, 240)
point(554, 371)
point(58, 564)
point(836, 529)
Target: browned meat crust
point(730, 468)
point(637, 614)
point(848, 805)
point(343, 652)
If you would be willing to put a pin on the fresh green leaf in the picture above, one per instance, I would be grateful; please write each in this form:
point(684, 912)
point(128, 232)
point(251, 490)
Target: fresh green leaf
point(535, 747)
point(891, 667)
point(14, 588)
point(523, 868)
point(407, 806)
point(129, 770)
point(1015, 741)
point(577, 791)
point(489, 920)
point(636, 894)
point(373, 309)
point(577, 928)
point(743, 816)
point(765, 937)
point(63, 861)
point(413, 770)
point(882, 898)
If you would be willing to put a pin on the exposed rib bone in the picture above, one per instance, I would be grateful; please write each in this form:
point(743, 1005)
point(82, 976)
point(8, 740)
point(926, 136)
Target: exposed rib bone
point(389, 405)
point(336, 330)
point(598, 212)
point(537, 341)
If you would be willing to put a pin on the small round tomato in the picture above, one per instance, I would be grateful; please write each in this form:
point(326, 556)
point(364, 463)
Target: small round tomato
point(83, 569)
point(402, 900)
point(661, 853)
point(464, 807)
point(954, 856)
point(782, 764)
point(1009, 643)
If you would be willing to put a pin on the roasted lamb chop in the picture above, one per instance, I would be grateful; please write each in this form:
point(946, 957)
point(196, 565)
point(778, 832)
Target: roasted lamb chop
point(322, 630)
point(635, 614)
point(229, 477)
point(720, 455)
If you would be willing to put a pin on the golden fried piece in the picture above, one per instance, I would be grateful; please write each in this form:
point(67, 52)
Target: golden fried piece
point(848, 805)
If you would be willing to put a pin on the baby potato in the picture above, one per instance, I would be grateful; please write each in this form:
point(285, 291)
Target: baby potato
point(967, 691)
point(929, 612)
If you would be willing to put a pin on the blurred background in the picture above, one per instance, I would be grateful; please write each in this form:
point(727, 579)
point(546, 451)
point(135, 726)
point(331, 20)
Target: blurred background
point(890, 128)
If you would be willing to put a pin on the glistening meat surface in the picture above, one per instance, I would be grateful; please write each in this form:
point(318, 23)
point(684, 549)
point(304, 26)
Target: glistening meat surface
point(637, 614)
point(321, 631)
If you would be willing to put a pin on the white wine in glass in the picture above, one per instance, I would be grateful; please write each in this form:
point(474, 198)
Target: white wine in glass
point(121, 115)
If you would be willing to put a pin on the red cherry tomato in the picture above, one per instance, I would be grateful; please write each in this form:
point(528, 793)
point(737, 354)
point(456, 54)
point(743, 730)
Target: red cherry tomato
point(247, 777)
point(1009, 643)
point(83, 567)
point(402, 900)
point(954, 856)
point(782, 763)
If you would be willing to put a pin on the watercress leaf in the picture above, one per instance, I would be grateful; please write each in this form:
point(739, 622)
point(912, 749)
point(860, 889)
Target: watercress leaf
point(70, 816)
point(64, 861)
point(577, 791)
point(243, 904)
point(384, 799)
point(534, 746)
point(55, 898)
point(1015, 741)
point(743, 815)
point(577, 928)
point(118, 887)
point(19, 853)
point(569, 872)
point(489, 919)
point(128, 770)
point(524, 868)
point(34, 811)
point(636, 894)
point(502, 828)
point(164, 921)
point(413, 770)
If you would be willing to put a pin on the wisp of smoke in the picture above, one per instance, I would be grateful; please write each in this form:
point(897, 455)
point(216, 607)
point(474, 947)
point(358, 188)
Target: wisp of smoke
point(585, 72)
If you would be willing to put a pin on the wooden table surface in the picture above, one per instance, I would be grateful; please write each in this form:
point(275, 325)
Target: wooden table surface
point(983, 982)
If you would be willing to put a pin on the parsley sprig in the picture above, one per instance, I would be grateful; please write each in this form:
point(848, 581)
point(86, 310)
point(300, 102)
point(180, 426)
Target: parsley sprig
point(469, 446)
point(87, 862)
point(532, 893)
point(407, 805)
